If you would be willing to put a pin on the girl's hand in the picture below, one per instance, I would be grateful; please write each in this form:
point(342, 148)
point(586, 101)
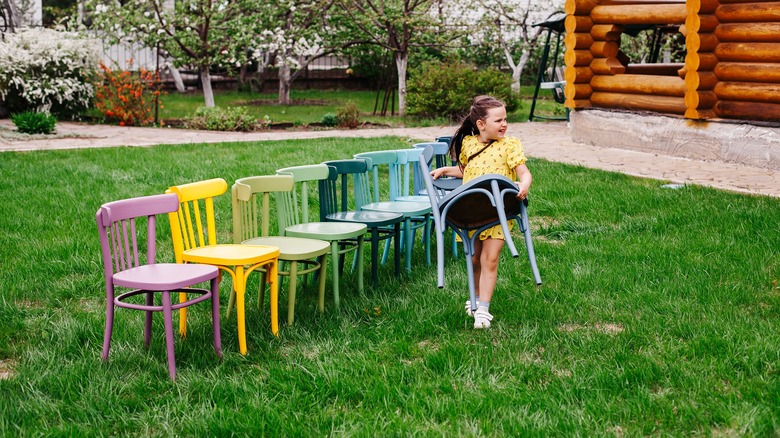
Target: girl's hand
point(522, 190)
point(436, 173)
point(523, 181)
point(447, 171)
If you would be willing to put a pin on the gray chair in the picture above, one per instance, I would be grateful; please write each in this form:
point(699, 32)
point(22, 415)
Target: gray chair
point(477, 205)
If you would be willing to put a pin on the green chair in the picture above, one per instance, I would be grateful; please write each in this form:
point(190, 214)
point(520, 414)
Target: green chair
point(419, 212)
point(251, 223)
point(335, 206)
point(293, 208)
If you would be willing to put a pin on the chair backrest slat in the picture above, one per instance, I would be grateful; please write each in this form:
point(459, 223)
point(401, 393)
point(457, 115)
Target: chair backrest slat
point(252, 204)
point(187, 225)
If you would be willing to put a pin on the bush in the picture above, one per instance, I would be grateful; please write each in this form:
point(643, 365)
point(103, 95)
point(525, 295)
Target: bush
point(32, 122)
point(348, 116)
point(330, 120)
point(222, 119)
point(427, 97)
point(126, 98)
point(43, 69)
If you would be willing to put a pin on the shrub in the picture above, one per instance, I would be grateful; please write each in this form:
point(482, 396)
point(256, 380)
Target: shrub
point(44, 69)
point(222, 119)
point(330, 120)
point(32, 122)
point(348, 116)
point(127, 98)
point(427, 97)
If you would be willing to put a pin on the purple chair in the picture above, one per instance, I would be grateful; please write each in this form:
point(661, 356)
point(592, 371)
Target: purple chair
point(119, 235)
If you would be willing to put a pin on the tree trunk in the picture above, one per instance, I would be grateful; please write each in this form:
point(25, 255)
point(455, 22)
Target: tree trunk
point(208, 93)
point(177, 80)
point(284, 84)
point(13, 20)
point(401, 61)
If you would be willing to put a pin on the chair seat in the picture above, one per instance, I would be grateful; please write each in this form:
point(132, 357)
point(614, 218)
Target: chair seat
point(408, 209)
point(372, 219)
point(412, 198)
point(164, 276)
point(329, 231)
point(292, 248)
point(230, 254)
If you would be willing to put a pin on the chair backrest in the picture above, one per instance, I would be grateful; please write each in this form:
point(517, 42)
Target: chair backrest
point(293, 206)
point(119, 232)
point(441, 151)
point(376, 162)
point(193, 225)
point(334, 191)
point(247, 195)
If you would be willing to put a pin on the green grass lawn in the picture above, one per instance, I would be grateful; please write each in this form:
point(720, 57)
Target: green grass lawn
point(659, 315)
point(310, 105)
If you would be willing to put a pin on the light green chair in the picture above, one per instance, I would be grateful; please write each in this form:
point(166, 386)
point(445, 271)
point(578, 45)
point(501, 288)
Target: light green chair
point(293, 208)
point(251, 223)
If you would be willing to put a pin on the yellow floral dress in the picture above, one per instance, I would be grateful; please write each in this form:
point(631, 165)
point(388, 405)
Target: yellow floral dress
point(501, 157)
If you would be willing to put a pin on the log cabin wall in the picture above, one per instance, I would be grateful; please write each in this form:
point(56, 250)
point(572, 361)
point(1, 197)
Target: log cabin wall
point(731, 69)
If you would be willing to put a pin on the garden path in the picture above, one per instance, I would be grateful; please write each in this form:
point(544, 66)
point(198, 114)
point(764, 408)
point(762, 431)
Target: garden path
point(550, 141)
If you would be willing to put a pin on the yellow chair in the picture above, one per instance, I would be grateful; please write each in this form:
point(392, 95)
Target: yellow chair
point(195, 241)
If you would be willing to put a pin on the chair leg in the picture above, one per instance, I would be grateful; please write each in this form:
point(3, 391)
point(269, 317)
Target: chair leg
point(273, 281)
point(109, 326)
point(334, 259)
point(468, 249)
point(168, 322)
point(440, 256)
point(215, 316)
point(239, 286)
point(409, 237)
point(397, 248)
point(359, 256)
point(374, 255)
point(293, 280)
point(261, 290)
point(427, 239)
point(322, 275)
point(529, 244)
point(148, 320)
point(183, 316)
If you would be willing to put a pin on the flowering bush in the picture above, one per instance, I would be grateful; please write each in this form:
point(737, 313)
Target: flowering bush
point(223, 119)
point(126, 98)
point(44, 69)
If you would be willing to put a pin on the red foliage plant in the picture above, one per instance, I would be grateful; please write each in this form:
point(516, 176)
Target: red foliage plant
point(127, 98)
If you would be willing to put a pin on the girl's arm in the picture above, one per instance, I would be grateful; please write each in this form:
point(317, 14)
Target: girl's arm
point(523, 181)
point(447, 171)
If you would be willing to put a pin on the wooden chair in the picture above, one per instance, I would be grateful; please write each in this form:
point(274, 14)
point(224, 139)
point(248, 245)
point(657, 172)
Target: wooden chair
point(294, 220)
point(120, 230)
point(335, 206)
point(195, 241)
point(251, 227)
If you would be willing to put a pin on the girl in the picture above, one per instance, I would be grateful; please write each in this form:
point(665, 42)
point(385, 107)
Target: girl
point(480, 147)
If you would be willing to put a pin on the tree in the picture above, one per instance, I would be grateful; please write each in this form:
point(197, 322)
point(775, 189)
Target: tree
point(397, 26)
point(203, 33)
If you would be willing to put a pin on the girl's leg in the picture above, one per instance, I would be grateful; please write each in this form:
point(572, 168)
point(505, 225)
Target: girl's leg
point(485, 277)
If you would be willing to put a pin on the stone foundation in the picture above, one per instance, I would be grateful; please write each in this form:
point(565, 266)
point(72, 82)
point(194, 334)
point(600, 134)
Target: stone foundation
point(725, 141)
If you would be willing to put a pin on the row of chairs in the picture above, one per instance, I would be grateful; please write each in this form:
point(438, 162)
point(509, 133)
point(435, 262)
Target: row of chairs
point(301, 242)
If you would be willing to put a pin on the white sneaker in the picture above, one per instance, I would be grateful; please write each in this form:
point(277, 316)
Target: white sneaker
point(470, 312)
point(482, 318)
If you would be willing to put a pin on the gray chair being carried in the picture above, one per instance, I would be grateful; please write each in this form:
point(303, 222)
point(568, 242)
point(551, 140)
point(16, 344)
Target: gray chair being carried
point(477, 205)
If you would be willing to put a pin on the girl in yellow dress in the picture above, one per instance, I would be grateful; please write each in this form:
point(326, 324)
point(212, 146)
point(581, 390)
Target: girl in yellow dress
point(481, 147)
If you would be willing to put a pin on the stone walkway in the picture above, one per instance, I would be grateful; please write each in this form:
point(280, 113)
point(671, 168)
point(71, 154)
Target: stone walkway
point(551, 141)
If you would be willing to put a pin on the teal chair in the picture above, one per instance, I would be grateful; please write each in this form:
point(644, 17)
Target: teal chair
point(252, 226)
point(384, 200)
point(335, 205)
point(293, 208)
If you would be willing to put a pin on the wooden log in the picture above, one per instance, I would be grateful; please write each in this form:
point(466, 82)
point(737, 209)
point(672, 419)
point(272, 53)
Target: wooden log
point(577, 91)
point(579, 7)
point(749, 32)
point(748, 12)
point(578, 75)
point(748, 72)
point(577, 103)
point(701, 42)
point(607, 66)
point(702, 6)
point(748, 52)
point(700, 99)
point(700, 61)
point(578, 41)
point(577, 58)
point(748, 110)
point(664, 104)
point(700, 23)
point(639, 84)
point(748, 91)
point(697, 114)
point(577, 23)
point(704, 80)
point(604, 49)
point(639, 14)
point(660, 69)
point(606, 32)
